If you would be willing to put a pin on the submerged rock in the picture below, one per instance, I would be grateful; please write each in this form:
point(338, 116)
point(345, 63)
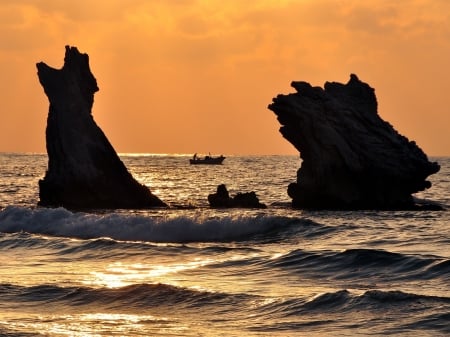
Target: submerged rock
point(222, 199)
point(351, 158)
point(84, 171)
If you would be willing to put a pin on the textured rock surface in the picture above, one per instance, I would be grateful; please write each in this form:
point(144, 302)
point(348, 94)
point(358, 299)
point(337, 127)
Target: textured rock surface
point(84, 171)
point(351, 158)
point(222, 199)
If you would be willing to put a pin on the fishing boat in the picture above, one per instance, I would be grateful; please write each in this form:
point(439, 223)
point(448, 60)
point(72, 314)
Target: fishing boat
point(207, 160)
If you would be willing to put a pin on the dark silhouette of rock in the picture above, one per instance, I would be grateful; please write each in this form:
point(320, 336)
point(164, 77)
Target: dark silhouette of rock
point(84, 171)
point(222, 199)
point(247, 200)
point(351, 158)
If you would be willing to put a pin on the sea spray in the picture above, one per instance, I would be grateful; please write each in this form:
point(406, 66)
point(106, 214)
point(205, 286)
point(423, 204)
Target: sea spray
point(132, 227)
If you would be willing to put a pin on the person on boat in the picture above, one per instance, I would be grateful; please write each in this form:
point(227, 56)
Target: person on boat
point(195, 156)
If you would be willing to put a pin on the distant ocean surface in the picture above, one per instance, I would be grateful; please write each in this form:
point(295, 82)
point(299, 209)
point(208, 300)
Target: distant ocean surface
point(195, 271)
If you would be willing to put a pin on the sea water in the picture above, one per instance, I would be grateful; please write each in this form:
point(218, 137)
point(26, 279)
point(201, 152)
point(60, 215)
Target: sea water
point(194, 271)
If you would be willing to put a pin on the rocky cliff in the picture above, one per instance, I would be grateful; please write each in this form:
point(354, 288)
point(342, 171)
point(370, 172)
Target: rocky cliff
point(84, 171)
point(351, 158)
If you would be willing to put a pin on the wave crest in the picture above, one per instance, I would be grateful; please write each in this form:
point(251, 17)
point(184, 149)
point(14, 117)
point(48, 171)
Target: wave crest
point(362, 263)
point(132, 227)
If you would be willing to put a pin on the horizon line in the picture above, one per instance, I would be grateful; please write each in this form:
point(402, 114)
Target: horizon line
point(179, 154)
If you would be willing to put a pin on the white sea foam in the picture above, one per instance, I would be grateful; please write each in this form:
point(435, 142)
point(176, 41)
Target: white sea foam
point(61, 222)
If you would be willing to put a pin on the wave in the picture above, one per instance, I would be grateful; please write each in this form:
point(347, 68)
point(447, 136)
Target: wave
point(88, 248)
point(344, 301)
point(159, 294)
point(363, 263)
point(422, 312)
point(258, 313)
point(21, 240)
point(437, 321)
point(132, 227)
point(133, 297)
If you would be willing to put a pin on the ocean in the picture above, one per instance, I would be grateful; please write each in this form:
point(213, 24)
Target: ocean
point(195, 271)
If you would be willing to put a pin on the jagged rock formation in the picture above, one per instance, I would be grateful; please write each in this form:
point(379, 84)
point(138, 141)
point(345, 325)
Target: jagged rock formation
point(84, 171)
point(351, 158)
point(222, 199)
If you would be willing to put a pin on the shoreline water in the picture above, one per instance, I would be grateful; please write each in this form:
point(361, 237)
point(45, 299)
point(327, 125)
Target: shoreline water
point(212, 272)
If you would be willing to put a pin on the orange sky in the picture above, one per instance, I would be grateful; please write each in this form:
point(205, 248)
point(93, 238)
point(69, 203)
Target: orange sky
point(185, 76)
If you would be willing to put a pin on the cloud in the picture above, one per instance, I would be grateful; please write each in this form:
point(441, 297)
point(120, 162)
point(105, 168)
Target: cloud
point(186, 58)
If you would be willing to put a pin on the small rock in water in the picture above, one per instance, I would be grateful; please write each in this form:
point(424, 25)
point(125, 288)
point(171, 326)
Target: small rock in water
point(222, 199)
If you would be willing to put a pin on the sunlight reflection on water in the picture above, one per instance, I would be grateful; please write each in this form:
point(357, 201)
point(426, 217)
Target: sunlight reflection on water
point(119, 274)
point(95, 324)
point(179, 272)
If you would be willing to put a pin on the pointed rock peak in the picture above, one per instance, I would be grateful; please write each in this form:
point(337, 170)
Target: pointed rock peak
point(84, 171)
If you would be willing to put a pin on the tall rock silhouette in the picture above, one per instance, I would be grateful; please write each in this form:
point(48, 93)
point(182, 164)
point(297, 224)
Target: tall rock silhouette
point(351, 158)
point(84, 171)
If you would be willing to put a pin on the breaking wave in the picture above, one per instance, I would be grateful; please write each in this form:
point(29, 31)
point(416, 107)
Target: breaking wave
point(126, 227)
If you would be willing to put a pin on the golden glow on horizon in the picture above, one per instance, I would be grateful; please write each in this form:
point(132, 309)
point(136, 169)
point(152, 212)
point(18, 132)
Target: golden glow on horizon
point(188, 76)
